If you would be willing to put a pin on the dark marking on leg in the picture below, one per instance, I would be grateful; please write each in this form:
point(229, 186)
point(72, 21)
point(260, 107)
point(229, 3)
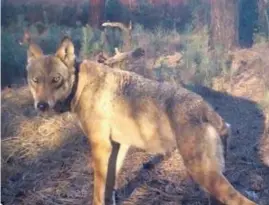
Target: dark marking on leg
point(111, 173)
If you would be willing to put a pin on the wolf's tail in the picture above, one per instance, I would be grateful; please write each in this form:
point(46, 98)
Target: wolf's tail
point(223, 128)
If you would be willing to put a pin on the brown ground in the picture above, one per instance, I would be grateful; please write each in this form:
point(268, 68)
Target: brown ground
point(47, 161)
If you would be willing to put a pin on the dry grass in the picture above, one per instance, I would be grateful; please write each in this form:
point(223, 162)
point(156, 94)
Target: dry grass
point(47, 161)
point(30, 150)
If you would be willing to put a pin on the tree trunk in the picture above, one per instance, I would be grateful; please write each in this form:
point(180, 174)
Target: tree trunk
point(96, 12)
point(224, 24)
point(263, 16)
point(248, 22)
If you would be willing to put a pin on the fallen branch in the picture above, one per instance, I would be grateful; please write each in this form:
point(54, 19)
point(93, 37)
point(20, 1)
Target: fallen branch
point(127, 37)
point(120, 57)
point(118, 25)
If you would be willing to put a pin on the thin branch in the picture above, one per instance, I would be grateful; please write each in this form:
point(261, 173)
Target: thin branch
point(120, 57)
point(127, 38)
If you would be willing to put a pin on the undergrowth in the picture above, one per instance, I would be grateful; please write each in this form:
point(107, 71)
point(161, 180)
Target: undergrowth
point(199, 65)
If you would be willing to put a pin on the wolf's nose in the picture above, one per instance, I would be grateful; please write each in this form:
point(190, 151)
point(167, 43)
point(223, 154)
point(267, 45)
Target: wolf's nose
point(43, 106)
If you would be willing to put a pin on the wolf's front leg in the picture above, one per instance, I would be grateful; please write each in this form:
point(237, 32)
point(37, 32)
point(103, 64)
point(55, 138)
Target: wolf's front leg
point(108, 157)
point(101, 151)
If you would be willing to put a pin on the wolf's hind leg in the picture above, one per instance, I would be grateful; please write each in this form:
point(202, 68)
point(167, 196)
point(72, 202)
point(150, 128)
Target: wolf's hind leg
point(201, 149)
point(123, 150)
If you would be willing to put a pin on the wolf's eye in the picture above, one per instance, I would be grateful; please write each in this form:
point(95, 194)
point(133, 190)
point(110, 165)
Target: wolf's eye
point(56, 79)
point(35, 79)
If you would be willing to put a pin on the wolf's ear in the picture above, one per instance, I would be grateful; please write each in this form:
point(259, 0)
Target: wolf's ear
point(34, 51)
point(66, 52)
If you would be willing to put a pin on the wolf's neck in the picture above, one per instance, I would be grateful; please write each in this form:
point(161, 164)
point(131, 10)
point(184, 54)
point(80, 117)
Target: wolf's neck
point(75, 79)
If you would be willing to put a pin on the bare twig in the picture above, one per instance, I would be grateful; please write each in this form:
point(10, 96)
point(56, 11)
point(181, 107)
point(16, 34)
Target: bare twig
point(148, 187)
point(31, 45)
point(127, 37)
point(120, 57)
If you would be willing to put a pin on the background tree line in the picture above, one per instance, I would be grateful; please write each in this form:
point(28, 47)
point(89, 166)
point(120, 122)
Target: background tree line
point(231, 22)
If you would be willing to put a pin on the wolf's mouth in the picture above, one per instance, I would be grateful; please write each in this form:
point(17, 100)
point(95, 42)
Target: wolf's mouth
point(46, 114)
point(61, 107)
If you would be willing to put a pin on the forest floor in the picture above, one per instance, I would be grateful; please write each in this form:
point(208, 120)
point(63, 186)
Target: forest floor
point(48, 161)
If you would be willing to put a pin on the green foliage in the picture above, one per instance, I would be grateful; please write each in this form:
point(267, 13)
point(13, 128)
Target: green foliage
point(157, 29)
point(94, 41)
point(13, 58)
point(260, 38)
point(197, 56)
point(197, 61)
point(114, 39)
point(91, 42)
point(115, 11)
point(62, 14)
point(13, 55)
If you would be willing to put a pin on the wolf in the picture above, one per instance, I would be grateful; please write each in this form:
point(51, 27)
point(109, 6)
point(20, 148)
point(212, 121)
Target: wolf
point(118, 109)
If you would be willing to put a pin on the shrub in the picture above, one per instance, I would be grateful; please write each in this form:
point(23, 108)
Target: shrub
point(13, 58)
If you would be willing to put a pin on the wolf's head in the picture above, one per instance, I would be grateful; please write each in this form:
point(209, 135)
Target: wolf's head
point(51, 77)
